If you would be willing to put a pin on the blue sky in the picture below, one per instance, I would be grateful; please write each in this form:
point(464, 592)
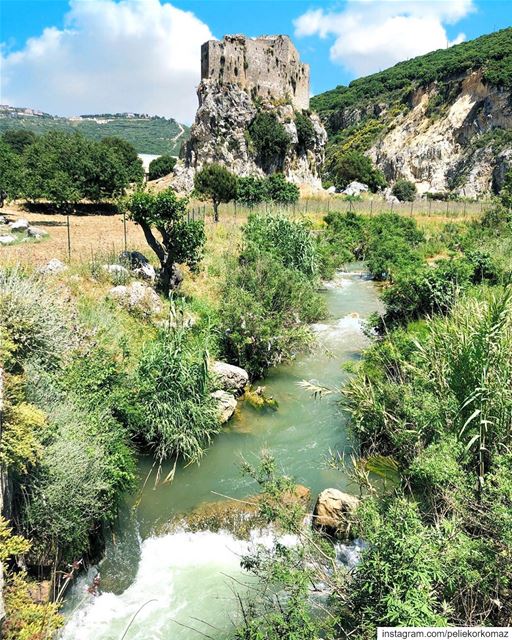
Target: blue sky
point(141, 55)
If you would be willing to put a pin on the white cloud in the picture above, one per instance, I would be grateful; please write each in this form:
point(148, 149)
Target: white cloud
point(375, 34)
point(132, 55)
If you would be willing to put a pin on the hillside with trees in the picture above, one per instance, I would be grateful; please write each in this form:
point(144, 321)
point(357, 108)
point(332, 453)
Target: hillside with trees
point(460, 95)
point(148, 134)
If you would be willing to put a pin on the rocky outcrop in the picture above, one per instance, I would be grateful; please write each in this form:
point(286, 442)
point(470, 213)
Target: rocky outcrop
point(53, 267)
point(453, 145)
point(227, 107)
point(333, 512)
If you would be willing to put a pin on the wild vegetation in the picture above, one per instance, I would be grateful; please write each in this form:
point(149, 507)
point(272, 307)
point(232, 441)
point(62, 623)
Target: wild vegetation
point(430, 409)
point(493, 52)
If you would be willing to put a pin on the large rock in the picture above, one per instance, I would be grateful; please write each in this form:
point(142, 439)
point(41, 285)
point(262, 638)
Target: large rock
point(334, 511)
point(139, 265)
point(36, 232)
point(137, 297)
point(52, 267)
point(7, 239)
point(355, 188)
point(226, 404)
point(230, 377)
point(19, 225)
point(116, 269)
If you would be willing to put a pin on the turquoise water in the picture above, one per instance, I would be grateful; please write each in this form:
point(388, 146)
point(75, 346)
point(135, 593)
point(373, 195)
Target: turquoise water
point(187, 578)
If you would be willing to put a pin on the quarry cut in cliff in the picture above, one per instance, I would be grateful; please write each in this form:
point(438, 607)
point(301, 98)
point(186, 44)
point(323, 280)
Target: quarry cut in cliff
point(244, 80)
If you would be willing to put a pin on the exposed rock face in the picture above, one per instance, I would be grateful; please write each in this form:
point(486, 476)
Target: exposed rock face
point(443, 149)
point(231, 378)
point(333, 512)
point(230, 97)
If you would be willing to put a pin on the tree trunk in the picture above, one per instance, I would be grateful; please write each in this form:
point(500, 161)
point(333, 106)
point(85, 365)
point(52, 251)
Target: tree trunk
point(215, 211)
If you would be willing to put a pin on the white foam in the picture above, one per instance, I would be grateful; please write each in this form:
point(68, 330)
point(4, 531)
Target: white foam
point(348, 325)
point(350, 554)
point(185, 575)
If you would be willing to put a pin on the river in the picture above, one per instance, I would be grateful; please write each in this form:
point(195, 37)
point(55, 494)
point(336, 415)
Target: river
point(185, 580)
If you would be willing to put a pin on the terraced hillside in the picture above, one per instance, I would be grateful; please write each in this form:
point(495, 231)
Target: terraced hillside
point(148, 134)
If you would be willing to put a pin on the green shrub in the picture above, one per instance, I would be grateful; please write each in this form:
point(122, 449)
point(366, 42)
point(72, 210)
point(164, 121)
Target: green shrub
point(251, 191)
point(289, 241)
point(275, 188)
point(343, 168)
point(404, 190)
point(305, 131)
point(270, 140)
point(280, 190)
point(173, 411)
point(394, 584)
point(161, 166)
point(263, 309)
point(33, 323)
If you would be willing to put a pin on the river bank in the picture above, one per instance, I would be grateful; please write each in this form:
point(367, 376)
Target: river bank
point(142, 564)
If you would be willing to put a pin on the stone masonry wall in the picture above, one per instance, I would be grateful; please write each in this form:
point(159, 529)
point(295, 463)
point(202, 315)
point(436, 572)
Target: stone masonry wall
point(267, 67)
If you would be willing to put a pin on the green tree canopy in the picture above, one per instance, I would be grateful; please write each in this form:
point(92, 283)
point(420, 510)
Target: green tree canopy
point(270, 140)
point(353, 165)
point(305, 131)
point(404, 190)
point(127, 155)
point(218, 184)
point(181, 240)
point(66, 168)
point(161, 166)
point(19, 139)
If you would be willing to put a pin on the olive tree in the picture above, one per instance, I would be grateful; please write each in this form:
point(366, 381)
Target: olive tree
point(218, 184)
point(181, 240)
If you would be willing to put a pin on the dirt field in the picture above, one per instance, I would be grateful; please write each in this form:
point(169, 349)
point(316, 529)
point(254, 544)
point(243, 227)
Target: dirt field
point(89, 236)
point(103, 236)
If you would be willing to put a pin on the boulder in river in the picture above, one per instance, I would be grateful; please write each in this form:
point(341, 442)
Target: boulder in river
point(230, 377)
point(333, 513)
point(226, 404)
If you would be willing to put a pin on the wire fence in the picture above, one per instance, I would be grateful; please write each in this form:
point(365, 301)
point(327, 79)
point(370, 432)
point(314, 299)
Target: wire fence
point(315, 207)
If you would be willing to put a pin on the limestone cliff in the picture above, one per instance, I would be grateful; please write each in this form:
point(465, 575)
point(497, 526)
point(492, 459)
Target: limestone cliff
point(241, 78)
point(443, 120)
point(454, 150)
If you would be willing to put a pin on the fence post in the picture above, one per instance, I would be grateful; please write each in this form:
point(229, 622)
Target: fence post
point(124, 231)
point(69, 237)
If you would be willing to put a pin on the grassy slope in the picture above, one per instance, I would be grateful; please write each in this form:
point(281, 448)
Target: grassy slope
point(148, 135)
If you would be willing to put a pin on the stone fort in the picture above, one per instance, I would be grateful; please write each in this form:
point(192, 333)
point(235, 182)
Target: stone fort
point(267, 67)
